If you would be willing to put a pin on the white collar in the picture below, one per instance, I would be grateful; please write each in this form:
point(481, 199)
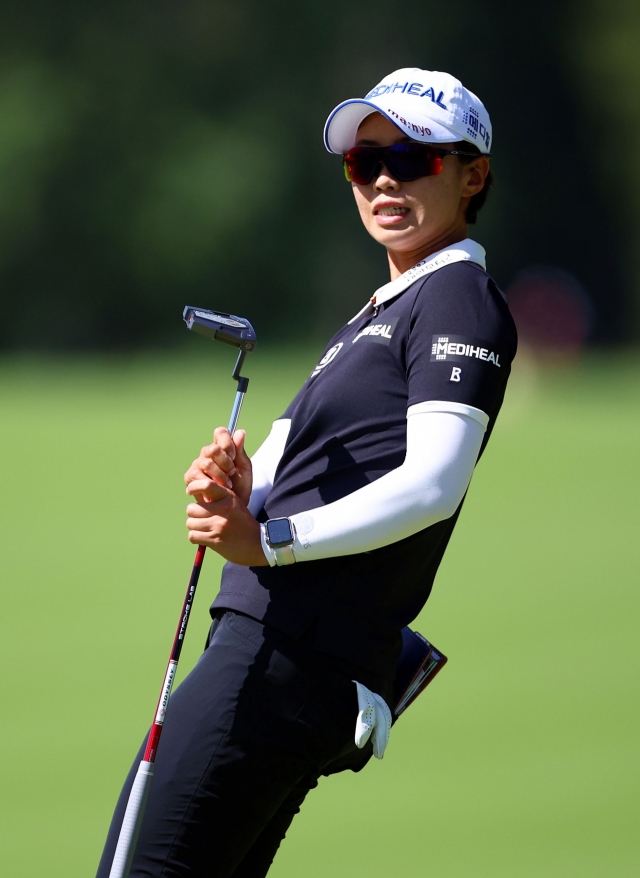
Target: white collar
point(462, 251)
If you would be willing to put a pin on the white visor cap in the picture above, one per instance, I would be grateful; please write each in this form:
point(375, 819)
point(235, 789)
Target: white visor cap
point(426, 105)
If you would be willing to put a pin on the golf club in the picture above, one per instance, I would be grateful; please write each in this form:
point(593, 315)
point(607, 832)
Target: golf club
point(239, 333)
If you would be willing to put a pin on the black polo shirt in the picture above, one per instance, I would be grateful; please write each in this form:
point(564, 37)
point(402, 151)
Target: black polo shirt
point(448, 337)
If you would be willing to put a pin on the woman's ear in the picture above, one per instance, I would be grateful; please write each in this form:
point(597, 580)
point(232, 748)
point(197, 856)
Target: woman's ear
point(475, 173)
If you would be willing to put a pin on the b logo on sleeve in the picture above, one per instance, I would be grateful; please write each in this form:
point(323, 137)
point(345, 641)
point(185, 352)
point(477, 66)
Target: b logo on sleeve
point(459, 349)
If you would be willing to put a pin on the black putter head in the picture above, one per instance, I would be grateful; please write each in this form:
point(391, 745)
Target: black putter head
point(227, 328)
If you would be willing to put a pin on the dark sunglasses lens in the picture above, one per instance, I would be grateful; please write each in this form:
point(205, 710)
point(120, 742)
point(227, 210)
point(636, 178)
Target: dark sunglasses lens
point(405, 161)
point(410, 161)
point(360, 164)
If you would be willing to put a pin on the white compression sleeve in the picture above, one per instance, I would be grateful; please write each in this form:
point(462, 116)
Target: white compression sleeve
point(443, 443)
point(265, 462)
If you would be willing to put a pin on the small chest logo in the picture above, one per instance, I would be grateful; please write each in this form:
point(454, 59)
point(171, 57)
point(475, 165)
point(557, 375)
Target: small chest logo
point(329, 357)
point(382, 333)
point(457, 348)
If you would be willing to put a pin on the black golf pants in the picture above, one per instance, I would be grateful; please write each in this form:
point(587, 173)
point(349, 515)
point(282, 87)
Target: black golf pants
point(247, 734)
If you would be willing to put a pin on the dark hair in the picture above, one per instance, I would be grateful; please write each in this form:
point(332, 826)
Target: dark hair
point(477, 200)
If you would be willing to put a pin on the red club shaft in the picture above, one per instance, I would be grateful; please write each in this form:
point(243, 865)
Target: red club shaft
point(172, 665)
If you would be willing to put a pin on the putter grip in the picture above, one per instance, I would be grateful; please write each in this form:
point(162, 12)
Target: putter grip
point(131, 821)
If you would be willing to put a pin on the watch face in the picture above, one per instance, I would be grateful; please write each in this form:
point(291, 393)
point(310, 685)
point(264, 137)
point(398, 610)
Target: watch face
point(279, 532)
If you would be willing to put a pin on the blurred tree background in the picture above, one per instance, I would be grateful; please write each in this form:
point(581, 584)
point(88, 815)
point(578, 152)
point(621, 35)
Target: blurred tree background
point(155, 153)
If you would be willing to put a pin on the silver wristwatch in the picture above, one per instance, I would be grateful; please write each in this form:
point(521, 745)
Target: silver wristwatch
point(278, 536)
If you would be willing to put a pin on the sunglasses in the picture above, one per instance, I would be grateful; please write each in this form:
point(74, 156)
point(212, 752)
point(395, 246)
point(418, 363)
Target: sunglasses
point(404, 161)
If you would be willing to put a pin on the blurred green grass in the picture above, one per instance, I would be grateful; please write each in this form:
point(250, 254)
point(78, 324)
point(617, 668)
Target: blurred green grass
point(522, 759)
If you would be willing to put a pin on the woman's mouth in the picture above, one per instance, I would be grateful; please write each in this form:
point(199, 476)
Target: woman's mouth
point(390, 215)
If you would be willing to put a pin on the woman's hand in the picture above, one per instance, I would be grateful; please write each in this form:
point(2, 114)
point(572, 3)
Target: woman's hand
point(224, 524)
point(224, 463)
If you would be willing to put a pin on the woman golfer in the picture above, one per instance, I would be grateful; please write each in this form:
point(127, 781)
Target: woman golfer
point(334, 531)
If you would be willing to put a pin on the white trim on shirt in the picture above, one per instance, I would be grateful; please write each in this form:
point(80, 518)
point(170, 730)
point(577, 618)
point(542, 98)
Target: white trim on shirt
point(463, 251)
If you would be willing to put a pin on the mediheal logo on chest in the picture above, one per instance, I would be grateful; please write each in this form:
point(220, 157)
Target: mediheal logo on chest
point(457, 348)
point(380, 332)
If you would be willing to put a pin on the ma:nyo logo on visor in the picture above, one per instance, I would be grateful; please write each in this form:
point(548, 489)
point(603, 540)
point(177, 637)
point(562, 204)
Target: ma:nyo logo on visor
point(456, 348)
point(380, 332)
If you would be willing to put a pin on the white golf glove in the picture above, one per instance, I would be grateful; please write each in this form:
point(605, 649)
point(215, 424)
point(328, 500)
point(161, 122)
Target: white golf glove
point(374, 719)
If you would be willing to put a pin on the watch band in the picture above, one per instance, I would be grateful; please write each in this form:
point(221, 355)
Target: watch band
point(284, 556)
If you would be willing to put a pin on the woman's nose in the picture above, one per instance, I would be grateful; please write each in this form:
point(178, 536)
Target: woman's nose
point(384, 181)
